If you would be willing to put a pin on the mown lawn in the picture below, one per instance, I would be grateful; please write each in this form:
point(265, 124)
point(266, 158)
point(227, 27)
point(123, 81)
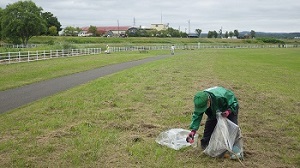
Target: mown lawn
point(114, 120)
point(19, 74)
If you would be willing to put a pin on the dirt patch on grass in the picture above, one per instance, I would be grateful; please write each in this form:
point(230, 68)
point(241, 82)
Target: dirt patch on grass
point(5, 160)
point(5, 138)
point(63, 132)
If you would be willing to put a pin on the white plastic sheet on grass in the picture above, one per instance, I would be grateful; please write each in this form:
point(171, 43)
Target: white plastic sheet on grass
point(225, 137)
point(175, 138)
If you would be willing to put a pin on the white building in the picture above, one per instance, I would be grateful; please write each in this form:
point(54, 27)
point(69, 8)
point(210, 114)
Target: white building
point(159, 26)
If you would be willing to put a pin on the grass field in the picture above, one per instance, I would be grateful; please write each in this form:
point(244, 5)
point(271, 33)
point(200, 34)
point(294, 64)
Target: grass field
point(68, 42)
point(114, 120)
point(26, 73)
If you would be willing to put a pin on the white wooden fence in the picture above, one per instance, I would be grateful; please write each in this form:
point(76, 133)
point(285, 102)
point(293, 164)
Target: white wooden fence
point(28, 56)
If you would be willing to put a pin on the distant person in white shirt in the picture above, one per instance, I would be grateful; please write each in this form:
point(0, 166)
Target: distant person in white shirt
point(172, 49)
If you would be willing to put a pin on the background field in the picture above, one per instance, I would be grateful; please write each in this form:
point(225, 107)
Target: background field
point(113, 121)
point(67, 42)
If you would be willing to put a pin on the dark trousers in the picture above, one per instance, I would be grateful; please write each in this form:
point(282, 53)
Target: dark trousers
point(210, 125)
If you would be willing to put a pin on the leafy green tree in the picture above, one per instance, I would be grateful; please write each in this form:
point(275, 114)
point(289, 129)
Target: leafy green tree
point(144, 33)
point(51, 21)
point(1, 14)
point(226, 34)
point(221, 33)
point(252, 33)
point(231, 34)
point(71, 31)
point(172, 32)
point(210, 34)
point(21, 21)
point(93, 30)
point(52, 31)
point(133, 33)
point(215, 34)
point(198, 31)
point(183, 34)
point(153, 32)
point(236, 33)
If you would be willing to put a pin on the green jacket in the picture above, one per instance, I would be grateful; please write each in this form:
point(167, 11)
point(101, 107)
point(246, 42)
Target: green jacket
point(221, 100)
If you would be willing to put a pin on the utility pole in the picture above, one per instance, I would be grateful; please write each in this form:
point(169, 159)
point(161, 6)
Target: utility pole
point(189, 26)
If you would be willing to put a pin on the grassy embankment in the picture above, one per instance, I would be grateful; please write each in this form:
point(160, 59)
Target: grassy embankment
point(113, 121)
point(66, 42)
point(63, 42)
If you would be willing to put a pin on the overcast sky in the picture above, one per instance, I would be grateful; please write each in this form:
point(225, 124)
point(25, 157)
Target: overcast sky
point(186, 15)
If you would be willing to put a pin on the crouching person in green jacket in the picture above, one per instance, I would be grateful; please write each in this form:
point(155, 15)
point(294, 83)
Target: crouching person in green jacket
point(210, 101)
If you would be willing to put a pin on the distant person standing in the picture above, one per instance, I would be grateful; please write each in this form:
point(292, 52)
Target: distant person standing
point(107, 51)
point(172, 49)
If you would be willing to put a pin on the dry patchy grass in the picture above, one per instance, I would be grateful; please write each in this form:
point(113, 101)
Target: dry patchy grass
point(113, 121)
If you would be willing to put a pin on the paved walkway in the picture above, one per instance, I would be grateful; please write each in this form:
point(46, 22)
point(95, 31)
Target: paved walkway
point(14, 98)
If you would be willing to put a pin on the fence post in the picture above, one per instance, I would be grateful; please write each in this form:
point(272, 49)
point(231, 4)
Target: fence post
point(9, 57)
point(19, 56)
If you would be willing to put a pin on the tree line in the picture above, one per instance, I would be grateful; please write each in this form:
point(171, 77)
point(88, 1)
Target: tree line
point(230, 34)
point(23, 19)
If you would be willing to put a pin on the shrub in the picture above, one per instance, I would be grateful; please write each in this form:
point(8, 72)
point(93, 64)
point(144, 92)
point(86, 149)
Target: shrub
point(69, 46)
point(50, 42)
point(271, 40)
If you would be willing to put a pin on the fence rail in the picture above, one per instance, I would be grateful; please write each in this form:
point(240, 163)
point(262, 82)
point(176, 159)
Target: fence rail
point(199, 46)
point(28, 56)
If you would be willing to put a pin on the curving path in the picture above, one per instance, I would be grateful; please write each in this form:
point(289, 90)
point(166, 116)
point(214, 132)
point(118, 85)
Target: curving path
point(14, 98)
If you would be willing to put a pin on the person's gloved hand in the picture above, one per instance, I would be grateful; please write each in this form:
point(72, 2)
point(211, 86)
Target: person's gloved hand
point(226, 113)
point(191, 136)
